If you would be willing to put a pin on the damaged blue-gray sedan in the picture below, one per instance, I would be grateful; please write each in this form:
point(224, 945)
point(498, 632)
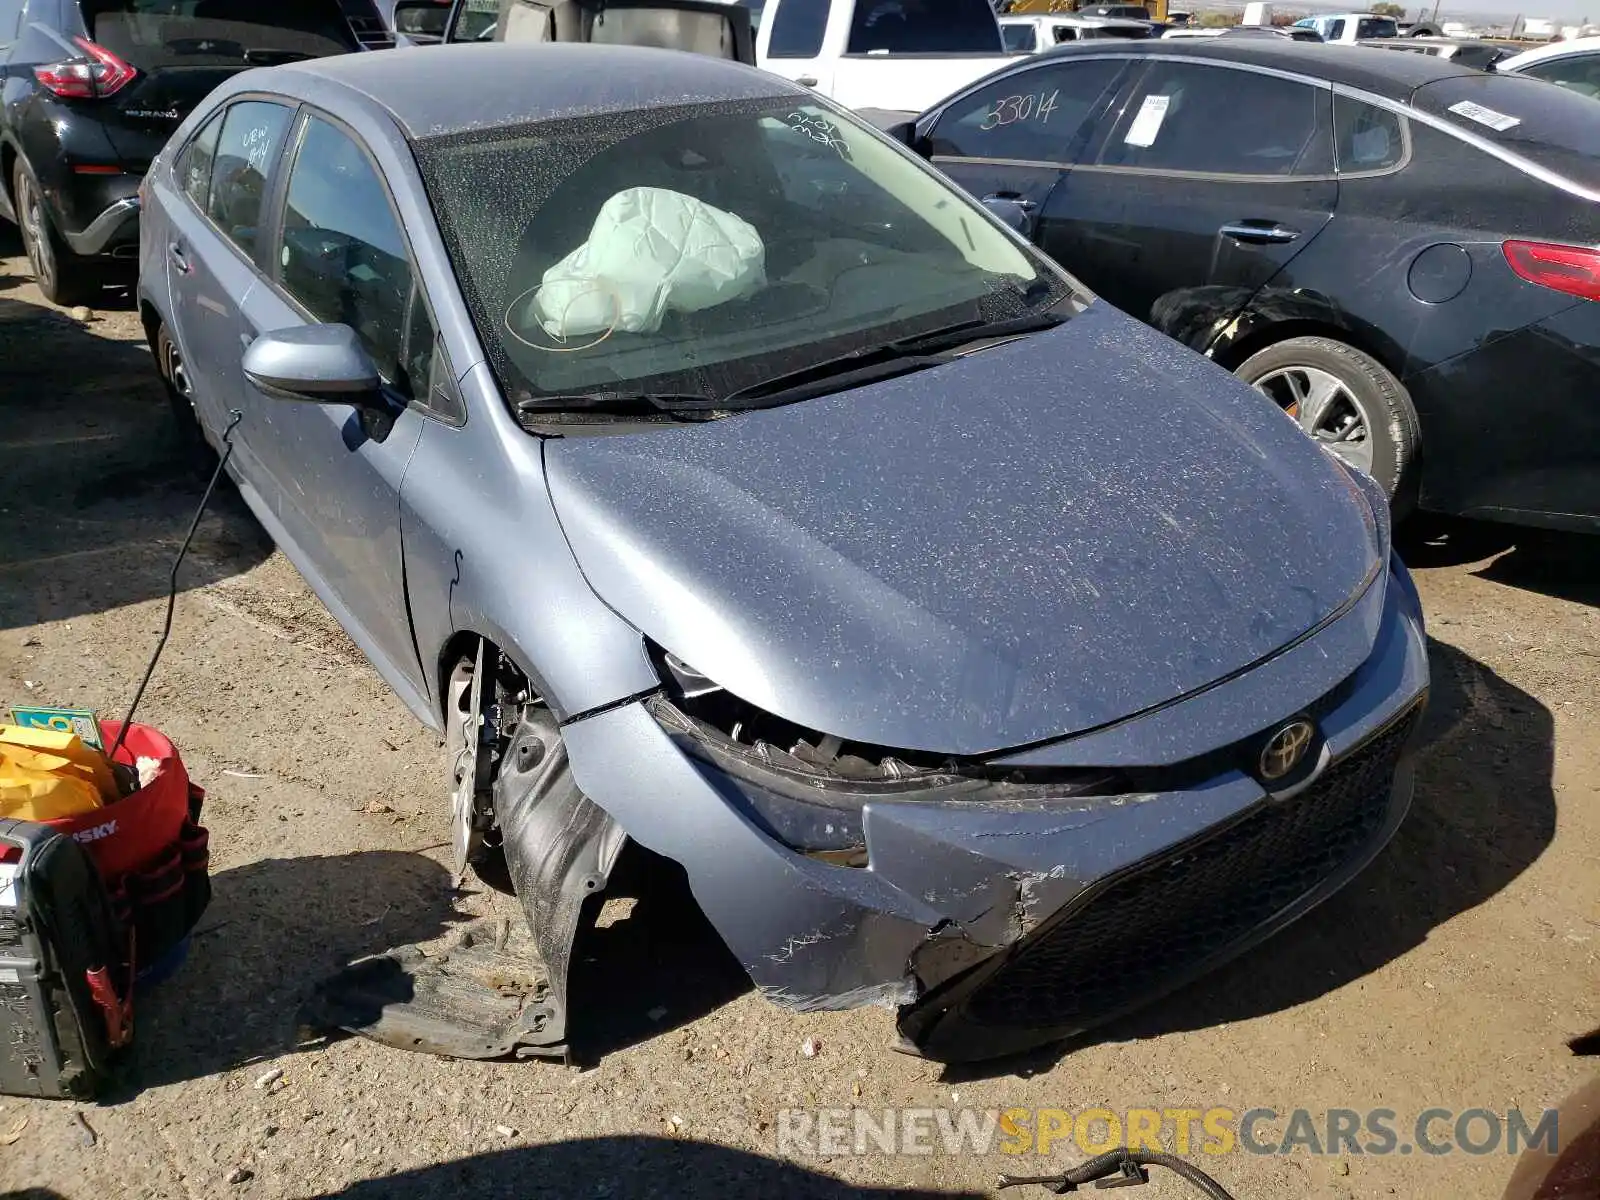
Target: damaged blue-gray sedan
point(713, 474)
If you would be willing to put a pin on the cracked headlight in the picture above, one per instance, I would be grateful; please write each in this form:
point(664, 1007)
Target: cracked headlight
point(807, 789)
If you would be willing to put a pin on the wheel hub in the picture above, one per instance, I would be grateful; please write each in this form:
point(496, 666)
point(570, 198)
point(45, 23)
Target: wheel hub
point(1325, 408)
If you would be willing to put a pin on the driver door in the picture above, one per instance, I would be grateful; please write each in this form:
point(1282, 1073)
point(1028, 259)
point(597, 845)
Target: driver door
point(336, 470)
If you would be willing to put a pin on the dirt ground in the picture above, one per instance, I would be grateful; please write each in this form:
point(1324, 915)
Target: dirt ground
point(1451, 973)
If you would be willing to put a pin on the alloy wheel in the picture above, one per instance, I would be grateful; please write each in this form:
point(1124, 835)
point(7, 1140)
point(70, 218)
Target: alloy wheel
point(35, 232)
point(1325, 407)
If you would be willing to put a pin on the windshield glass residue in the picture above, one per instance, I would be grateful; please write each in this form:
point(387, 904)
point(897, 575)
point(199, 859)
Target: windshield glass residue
point(704, 249)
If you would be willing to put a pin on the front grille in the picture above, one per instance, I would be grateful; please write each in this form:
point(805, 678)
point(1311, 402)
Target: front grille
point(1168, 914)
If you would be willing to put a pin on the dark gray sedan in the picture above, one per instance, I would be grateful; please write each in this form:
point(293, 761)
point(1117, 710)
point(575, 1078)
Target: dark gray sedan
point(714, 474)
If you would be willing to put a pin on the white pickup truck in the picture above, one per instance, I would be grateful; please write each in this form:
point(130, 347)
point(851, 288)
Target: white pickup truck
point(1349, 28)
point(880, 54)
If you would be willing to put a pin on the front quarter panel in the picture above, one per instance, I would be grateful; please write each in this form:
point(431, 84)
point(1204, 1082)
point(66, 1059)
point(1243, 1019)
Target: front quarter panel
point(485, 554)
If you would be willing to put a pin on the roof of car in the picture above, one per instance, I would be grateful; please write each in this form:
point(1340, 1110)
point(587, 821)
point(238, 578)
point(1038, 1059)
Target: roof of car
point(1371, 69)
point(438, 90)
point(1583, 45)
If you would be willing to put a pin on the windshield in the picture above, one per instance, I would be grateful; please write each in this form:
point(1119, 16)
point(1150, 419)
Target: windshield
point(153, 34)
point(700, 250)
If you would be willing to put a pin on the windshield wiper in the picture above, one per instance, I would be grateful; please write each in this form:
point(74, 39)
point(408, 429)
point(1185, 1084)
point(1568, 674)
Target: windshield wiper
point(884, 361)
point(682, 405)
point(952, 336)
point(868, 364)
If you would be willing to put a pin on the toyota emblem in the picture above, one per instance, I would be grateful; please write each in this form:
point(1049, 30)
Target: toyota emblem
point(1285, 749)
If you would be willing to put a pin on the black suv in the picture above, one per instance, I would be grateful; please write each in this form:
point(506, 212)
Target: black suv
point(91, 91)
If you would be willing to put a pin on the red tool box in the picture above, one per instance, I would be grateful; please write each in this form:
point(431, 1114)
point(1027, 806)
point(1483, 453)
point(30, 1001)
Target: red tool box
point(86, 904)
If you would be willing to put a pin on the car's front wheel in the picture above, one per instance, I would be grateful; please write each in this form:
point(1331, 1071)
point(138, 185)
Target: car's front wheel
point(474, 837)
point(62, 276)
point(1345, 399)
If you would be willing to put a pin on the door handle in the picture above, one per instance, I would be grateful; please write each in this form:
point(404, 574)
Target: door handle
point(1021, 202)
point(807, 81)
point(175, 253)
point(1244, 231)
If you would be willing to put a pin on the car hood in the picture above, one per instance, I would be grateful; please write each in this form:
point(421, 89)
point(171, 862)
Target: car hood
point(1040, 538)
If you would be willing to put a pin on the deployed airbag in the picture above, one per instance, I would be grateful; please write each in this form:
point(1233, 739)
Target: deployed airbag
point(650, 250)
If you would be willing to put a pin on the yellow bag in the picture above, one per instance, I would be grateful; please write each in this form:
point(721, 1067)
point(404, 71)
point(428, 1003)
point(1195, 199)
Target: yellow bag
point(46, 773)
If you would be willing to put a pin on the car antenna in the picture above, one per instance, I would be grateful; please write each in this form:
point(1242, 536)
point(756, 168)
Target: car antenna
point(234, 417)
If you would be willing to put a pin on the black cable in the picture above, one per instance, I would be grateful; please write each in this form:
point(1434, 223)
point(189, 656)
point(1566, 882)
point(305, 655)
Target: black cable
point(1130, 1165)
point(234, 417)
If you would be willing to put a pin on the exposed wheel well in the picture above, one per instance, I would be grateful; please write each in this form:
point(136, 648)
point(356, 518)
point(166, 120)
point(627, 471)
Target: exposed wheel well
point(1235, 353)
point(8, 162)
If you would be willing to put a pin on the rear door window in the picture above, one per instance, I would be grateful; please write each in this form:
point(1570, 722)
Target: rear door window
point(1377, 27)
point(1039, 115)
point(1555, 128)
point(1207, 120)
point(247, 149)
point(917, 27)
point(1366, 138)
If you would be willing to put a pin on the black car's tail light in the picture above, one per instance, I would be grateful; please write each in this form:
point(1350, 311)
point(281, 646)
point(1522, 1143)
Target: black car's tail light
point(95, 77)
point(1571, 269)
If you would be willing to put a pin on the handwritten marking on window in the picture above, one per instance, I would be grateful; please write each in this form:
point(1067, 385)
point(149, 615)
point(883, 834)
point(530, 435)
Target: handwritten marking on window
point(258, 145)
point(1011, 109)
point(821, 130)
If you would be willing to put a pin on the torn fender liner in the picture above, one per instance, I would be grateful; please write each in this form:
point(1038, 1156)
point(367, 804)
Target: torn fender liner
point(560, 848)
point(502, 989)
point(483, 997)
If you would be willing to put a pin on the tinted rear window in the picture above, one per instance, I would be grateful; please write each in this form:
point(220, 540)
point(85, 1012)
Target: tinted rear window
point(1377, 27)
point(1555, 128)
point(199, 33)
point(917, 27)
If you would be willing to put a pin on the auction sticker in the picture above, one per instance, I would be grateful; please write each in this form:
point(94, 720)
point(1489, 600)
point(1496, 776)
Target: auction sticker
point(1497, 121)
point(1147, 122)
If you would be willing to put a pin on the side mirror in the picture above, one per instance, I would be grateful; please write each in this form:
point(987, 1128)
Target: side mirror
point(320, 364)
point(1014, 211)
point(424, 20)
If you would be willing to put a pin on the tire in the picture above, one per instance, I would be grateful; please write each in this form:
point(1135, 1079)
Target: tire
point(196, 451)
point(63, 277)
point(1361, 412)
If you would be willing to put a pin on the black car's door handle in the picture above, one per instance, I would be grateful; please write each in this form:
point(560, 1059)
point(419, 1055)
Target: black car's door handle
point(1021, 202)
point(175, 253)
point(1249, 231)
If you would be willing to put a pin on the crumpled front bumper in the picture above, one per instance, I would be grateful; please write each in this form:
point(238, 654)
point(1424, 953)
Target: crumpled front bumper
point(962, 900)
